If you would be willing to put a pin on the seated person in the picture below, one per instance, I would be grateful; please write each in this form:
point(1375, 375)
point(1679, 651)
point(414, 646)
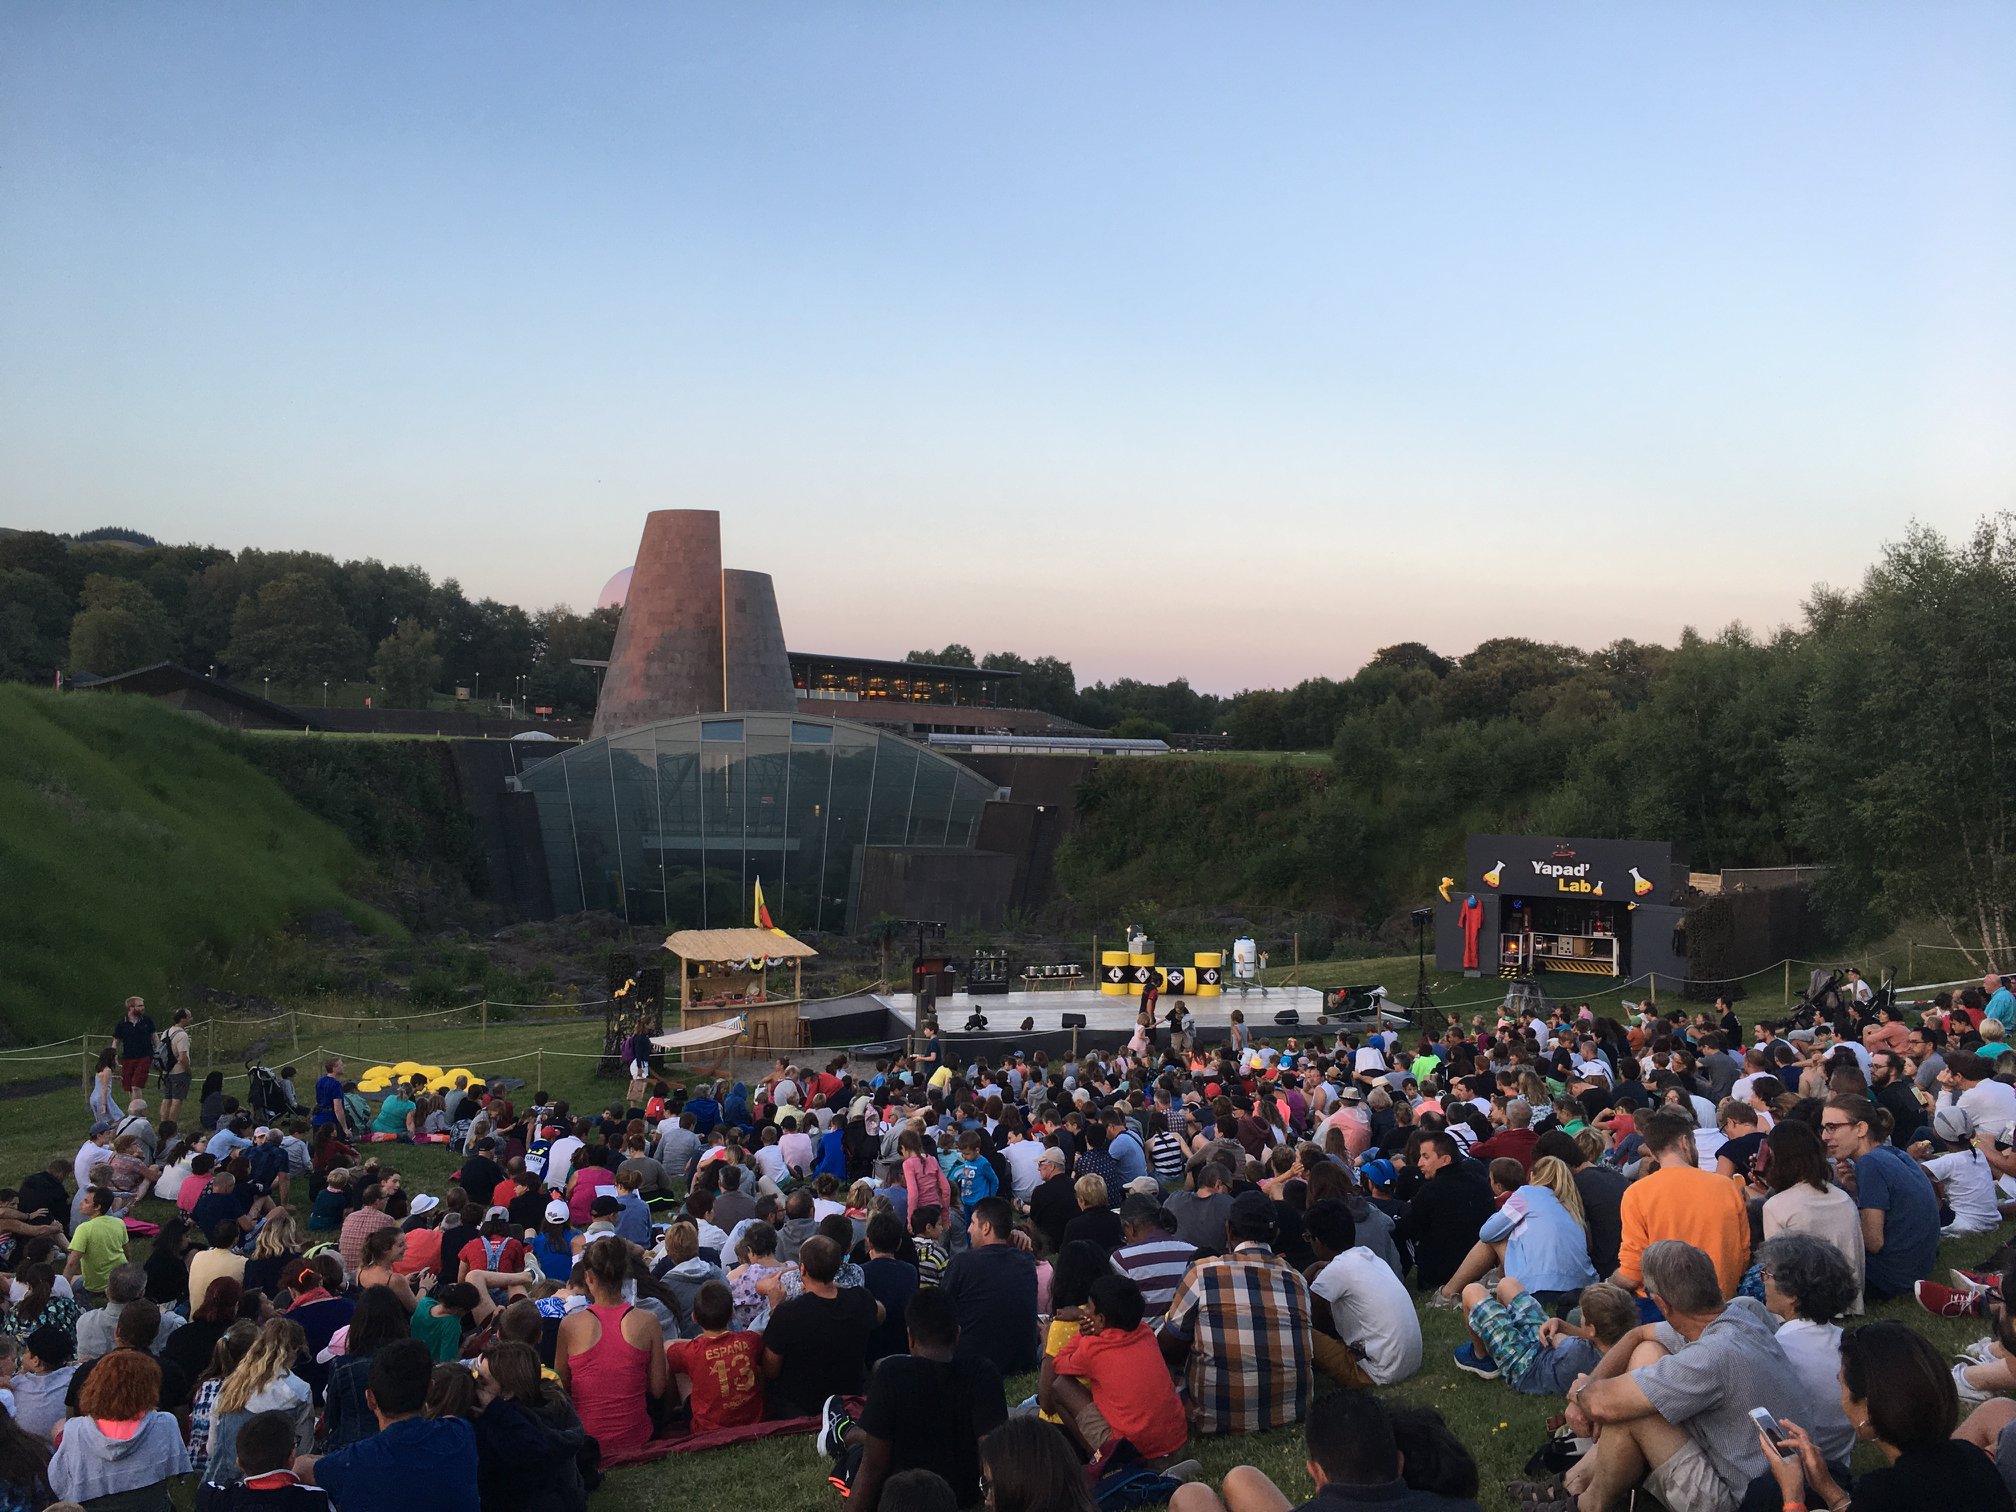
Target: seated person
point(926, 1410)
point(265, 1458)
point(1110, 1385)
point(412, 1463)
point(1538, 1233)
point(816, 1344)
point(722, 1366)
point(1513, 1339)
point(1893, 1381)
point(1239, 1327)
point(1353, 1457)
point(1672, 1399)
point(1367, 1332)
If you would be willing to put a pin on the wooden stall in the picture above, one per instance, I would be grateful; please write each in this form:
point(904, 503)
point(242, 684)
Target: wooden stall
point(725, 973)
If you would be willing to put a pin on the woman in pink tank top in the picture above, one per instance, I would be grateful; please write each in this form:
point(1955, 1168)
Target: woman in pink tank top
point(611, 1357)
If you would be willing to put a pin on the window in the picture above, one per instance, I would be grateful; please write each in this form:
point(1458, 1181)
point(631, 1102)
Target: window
point(721, 729)
point(805, 733)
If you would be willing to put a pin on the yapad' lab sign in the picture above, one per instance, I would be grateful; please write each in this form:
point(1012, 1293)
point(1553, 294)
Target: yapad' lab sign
point(1526, 866)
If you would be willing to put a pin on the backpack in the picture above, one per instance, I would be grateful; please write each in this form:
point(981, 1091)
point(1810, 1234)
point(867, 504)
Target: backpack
point(164, 1052)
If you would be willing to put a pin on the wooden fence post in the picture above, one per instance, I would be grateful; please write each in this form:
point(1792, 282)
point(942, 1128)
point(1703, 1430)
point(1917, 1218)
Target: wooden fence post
point(486, 1018)
point(1296, 943)
point(1788, 981)
point(539, 1068)
point(84, 1062)
point(1910, 958)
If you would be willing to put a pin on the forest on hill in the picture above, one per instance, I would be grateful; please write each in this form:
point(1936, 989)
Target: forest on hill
point(1876, 737)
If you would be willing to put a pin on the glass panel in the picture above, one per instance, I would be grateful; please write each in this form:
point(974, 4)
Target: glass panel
point(803, 733)
point(595, 827)
point(808, 802)
point(677, 832)
point(633, 772)
point(721, 729)
point(722, 779)
point(931, 799)
point(856, 754)
point(895, 773)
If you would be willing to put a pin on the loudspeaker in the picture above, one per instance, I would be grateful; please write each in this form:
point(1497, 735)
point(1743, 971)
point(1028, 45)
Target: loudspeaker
point(1287, 1016)
point(1074, 1021)
point(976, 1023)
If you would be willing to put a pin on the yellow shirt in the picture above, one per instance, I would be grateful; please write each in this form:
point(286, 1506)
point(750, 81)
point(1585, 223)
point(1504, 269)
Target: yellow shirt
point(100, 1247)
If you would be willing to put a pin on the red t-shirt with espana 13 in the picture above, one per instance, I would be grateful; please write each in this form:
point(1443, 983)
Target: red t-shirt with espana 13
point(727, 1383)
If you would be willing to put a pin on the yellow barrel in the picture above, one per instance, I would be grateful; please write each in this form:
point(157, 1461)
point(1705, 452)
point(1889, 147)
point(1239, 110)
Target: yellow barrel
point(1178, 981)
point(1210, 963)
point(1141, 967)
point(1113, 973)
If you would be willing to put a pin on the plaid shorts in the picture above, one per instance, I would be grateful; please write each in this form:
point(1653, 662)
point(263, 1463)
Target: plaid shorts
point(1510, 1331)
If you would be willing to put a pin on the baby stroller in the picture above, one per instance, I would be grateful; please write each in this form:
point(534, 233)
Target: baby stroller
point(267, 1097)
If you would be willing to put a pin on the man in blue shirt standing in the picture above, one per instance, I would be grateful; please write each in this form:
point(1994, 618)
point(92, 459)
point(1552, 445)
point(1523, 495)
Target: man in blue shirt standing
point(411, 1464)
point(2001, 1002)
point(329, 1107)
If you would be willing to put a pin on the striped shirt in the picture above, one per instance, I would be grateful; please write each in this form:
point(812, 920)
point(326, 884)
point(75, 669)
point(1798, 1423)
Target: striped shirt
point(1155, 1265)
point(1246, 1316)
point(1166, 1157)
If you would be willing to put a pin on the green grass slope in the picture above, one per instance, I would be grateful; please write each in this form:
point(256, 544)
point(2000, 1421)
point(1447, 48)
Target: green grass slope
point(133, 841)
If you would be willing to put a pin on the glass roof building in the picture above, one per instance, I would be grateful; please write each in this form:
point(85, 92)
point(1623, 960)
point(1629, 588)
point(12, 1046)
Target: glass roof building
point(673, 823)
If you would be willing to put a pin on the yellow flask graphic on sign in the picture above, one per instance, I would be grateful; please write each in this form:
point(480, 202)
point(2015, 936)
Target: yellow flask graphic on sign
point(1491, 877)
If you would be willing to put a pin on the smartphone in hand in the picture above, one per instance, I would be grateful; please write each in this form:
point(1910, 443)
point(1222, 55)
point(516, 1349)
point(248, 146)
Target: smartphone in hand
point(1773, 1434)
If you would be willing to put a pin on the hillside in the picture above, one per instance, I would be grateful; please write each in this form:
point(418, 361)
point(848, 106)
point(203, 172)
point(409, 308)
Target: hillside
point(135, 841)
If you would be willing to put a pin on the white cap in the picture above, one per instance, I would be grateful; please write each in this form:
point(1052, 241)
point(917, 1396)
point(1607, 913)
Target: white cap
point(423, 1204)
point(556, 1211)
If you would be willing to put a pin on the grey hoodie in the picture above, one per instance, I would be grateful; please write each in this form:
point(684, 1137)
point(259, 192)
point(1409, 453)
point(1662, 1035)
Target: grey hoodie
point(87, 1464)
point(1375, 1231)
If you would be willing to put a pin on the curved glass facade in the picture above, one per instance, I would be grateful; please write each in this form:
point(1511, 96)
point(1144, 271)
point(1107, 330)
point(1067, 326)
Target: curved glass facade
point(673, 823)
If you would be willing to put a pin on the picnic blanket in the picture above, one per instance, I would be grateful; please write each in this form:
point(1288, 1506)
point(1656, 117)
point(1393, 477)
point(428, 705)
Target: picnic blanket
point(715, 1438)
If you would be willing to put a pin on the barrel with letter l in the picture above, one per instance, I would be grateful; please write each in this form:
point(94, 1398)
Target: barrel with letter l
point(1113, 973)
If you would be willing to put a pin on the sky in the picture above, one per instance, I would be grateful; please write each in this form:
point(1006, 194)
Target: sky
point(1222, 341)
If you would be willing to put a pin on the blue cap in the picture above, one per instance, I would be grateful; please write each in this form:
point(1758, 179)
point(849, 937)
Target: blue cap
point(1378, 1172)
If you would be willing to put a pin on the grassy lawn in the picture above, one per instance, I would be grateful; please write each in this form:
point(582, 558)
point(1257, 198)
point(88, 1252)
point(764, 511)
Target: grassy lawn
point(1500, 1427)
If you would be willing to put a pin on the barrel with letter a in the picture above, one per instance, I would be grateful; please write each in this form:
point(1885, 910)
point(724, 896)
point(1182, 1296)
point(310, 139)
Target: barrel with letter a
point(1140, 971)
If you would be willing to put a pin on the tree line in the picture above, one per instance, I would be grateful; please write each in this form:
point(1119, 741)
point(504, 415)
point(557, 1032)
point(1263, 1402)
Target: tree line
point(284, 620)
point(1877, 738)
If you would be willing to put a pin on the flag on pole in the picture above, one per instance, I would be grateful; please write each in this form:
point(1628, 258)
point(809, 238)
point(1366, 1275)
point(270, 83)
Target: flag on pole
point(763, 919)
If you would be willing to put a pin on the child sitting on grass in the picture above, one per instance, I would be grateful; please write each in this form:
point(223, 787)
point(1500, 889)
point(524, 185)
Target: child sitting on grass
point(1512, 1337)
point(723, 1367)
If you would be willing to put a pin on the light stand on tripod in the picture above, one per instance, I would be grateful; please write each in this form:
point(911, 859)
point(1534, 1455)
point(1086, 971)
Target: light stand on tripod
point(1422, 917)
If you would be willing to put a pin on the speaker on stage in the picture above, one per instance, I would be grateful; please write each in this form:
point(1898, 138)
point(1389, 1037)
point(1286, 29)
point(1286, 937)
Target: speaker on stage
point(1073, 1021)
point(1287, 1016)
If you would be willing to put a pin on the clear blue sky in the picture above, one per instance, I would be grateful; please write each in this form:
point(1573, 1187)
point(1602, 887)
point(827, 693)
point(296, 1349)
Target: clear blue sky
point(1222, 340)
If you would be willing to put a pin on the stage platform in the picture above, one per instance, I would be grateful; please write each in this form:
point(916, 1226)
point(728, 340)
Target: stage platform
point(1109, 1021)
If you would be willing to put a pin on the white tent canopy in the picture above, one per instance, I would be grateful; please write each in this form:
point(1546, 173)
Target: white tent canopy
point(725, 1032)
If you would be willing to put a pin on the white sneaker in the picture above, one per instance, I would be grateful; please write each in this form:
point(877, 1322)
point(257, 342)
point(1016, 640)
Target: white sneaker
point(1969, 1392)
point(1980, 1352)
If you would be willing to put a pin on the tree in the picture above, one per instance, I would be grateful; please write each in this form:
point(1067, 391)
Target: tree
point(954, 655)
point(1047, 683)
point(408, 664)
point(34, 620)
point(293, 631)
point(121, 626)
point(1905, 765)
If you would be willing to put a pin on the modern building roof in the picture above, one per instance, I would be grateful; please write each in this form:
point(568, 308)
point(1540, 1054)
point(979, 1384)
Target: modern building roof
point(191, 690)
